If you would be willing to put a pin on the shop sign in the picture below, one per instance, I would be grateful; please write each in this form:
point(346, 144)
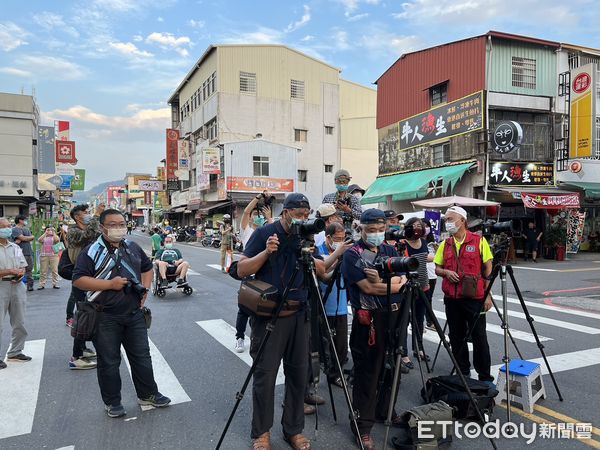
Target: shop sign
point(211, 161)
point(259, 184)
point(521, 174)
point(150, 185)
point(507, 137)
point(172, 158)
point(550, 201)
point(461, 116)
point(582, 111)
point(575, 223)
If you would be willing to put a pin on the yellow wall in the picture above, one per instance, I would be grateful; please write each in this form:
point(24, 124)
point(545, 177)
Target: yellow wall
point(209, 65)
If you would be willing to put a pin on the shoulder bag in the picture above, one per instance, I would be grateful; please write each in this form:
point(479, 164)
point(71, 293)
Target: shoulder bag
point(65, 266)
point(469, 282)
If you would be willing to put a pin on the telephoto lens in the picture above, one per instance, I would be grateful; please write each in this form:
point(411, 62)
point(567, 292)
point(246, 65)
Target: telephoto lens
point(399, 264)
point(308, 227)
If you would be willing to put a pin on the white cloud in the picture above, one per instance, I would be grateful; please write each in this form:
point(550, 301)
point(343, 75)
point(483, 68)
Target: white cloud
point(196, 23)
point(142, 119)
point(11, 36)
point(299, 23)
point(129, 49)
point(54, 23)
point(340, 39)
point(308, 38)
point(138, 38)
point(167, 39)
point(383, 44)
point(262, 35)
point(350, 6)
point(48, 68)
point(117, 5)
point(160, 19)
point(15, 72)
point(357, 17)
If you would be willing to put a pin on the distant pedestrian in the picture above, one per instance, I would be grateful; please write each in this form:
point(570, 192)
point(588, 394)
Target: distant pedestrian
point(12, 293)
point(533, 241)
point(226, 230)
point(157, 240)
point(48, 258)
point(22, 236)
point(129, 227)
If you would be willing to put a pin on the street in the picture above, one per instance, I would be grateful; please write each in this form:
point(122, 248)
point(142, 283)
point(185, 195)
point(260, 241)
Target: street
point(46, 405)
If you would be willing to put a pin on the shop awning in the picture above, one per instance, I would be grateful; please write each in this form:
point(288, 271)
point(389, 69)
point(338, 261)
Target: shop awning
point(592, 190)
point(179, 209)
point(444, 202)
point(414, 185)
point(206, 209)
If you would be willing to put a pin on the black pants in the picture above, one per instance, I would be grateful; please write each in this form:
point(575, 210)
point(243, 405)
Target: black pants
point(461, 315)
point(340, 341)
point(240, 324)
point(417, 335)
point(429, 293)
point(28, 271)
point(77, 295)
point(288, 341)
point(369, 399)
point(130, 331)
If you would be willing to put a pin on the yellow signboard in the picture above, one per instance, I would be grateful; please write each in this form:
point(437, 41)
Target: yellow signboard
point(582, 114)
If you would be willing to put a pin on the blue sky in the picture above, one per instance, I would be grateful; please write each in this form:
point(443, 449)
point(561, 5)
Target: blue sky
point(109, 66)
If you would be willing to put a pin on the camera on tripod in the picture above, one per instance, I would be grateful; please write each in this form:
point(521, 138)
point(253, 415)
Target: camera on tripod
point(398, 264)
point(307, 228)
point(494, 227)
point(398, 235)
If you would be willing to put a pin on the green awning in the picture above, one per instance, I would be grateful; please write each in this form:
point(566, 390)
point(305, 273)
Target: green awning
point(592, 190)
point(413, 185)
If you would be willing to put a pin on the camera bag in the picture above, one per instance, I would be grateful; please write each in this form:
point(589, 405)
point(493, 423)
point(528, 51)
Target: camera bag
point(408, 436)
point(258, 298)
point(85, 320)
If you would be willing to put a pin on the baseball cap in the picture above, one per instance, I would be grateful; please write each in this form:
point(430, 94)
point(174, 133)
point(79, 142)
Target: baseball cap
point(458, 210)
point(326, 210)
point(391, 213)
point(296, 200)
point(355, 188)
point(372, 215)
point(342, 173)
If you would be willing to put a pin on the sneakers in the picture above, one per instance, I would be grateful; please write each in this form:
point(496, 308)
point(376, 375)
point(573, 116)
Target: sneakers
point(19, 358)
point(2, 364)
point(158, 400)
point(87, 353)
point(115, 411)
point(69, 323)
point(239, 345)
point(81, 364)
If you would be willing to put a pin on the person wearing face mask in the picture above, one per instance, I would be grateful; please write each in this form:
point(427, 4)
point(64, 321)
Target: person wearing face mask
point(169, 259)
point(48, 258)
point(347, 205)
point(464, 261)
point(22, 237)
point(271, 256)
point(393, 222)
point(371, 320)
point(107, 269)
point(329, 214)
point(12, 294)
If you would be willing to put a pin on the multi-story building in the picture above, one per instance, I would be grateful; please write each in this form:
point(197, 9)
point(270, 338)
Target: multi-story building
point(19, 117)
point(279, 96)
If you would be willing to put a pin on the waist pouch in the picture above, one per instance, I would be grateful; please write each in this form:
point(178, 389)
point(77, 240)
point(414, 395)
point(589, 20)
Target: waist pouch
point(469, 286)
point(147, 316)
point(261, 299)
point(85, 321)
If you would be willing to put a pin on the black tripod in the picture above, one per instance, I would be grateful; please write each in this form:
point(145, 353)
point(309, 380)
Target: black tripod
point(305, 263)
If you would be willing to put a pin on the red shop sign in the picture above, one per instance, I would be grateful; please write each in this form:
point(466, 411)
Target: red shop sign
point(550, 201)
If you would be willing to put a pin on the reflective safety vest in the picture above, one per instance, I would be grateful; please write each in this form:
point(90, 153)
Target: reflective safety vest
point(470, 262)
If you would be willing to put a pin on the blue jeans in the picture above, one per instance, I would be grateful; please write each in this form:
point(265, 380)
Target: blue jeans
point(130, 331)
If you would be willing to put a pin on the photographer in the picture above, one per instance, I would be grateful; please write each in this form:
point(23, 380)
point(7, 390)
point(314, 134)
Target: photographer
point(347, 205)
point(329, 214)
point(371, 320)
point(464, 261)
point(117, 274)
point(393, 222)
point(271, 255)
point(226, 230)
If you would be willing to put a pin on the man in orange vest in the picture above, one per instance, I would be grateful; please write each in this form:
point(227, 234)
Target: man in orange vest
point(464, 261)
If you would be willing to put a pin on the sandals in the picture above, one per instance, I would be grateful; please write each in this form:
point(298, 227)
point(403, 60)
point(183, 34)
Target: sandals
point(367, 442)
point(263, 442)
point(422, 357)
point(298, 442)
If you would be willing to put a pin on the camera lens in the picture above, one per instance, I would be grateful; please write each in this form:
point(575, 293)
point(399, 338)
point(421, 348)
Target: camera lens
point(398, 264)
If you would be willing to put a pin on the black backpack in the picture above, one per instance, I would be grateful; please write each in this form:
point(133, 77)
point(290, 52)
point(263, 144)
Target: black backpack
point(450, 389)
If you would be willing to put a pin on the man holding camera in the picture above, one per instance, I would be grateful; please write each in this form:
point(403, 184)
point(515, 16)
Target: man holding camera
point(330, 215)
point(464, 261)
point(372, 319)
point(347, 205)
point(271, 256)
point(117, 275)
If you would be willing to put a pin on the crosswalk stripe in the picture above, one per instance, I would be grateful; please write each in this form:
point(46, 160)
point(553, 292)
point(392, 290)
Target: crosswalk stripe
point(557, 323)
point(19, 389)
point(224, 334)
point(69, 447)
point(167, 382)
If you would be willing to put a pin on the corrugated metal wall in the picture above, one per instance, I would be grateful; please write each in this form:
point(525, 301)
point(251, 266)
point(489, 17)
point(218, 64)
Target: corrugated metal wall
point(403, 90)
point(282, 159)
point(500, 79)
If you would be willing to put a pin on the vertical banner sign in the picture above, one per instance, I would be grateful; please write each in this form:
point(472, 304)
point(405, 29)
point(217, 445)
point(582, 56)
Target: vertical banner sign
point(582, 120)
point(172, 153)
point(184, 154)
point(65, 152)
point(78, 182)
point(434, 219)
point(221, 189)
point(63, 130)
point(211, 161)
point(46, 156)
point(575, 223)
point(147, 197)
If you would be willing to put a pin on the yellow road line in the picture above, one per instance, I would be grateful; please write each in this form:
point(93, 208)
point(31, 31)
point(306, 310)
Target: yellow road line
point(564, 418)
point(593, 269)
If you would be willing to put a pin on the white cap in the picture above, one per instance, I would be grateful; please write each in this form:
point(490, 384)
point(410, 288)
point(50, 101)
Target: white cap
point(326, 210)
point(458, 210)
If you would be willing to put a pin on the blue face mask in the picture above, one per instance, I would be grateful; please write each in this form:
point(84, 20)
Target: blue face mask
point(87, 219)
point(394, 227)
point(5, 233)
point(259, 221)
point(375, 239)
point(341, 187)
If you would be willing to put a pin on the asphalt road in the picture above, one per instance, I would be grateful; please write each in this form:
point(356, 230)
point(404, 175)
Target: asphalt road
point(45, 405)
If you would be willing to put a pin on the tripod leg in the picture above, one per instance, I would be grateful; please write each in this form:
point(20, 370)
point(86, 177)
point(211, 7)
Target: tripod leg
point(421, 348)
point(507, 329)
point(439, 346)
point(533, 330)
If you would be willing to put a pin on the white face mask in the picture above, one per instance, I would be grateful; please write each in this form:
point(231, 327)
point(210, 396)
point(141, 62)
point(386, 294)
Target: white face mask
point(335, 245)
point(116, 234)
point(451, 227)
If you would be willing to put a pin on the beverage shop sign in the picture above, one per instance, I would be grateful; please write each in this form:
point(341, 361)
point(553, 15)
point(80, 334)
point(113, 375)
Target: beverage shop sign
point(521, 174)
point(550, 201)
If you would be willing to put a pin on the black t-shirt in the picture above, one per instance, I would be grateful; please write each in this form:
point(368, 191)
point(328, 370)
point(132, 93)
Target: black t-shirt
point(116, 302)
point(532, 235)
point(421, 254)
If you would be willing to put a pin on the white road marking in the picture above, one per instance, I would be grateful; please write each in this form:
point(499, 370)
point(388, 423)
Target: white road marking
point(70, 447)
point(192, 272)
point(19, 389)
point(167, 382)
point(224, 334)
point(214, 266)
point(535, 268)
point(555, 308)
point(556, 323)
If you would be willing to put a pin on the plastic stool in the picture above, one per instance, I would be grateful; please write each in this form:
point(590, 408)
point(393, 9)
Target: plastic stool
point(526, 383)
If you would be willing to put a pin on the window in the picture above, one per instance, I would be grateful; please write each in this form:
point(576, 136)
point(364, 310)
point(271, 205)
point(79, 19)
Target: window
point(328, 168)
point(441, 154)
point(213, 83)
point(302, 176)
point(297, 89)
point(523, 72)
point(261, 166)
point(439, 94)
point(211, 130)
point(248, 82)
point(328, 130)
point(300, 135)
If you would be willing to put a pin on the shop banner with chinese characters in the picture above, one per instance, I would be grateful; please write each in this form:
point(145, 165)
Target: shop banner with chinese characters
point(221, 189)
point(78, 181)
point(434, 219)
point(46, 146)
point(184, 154)
point(550, 201)
point(172, 153)
point(259, 184)
point(582, 111)
point(521, 174)
point(65, 152)
point(63, 130)
point(461, 116)
point(575, 223)
point(211, 161)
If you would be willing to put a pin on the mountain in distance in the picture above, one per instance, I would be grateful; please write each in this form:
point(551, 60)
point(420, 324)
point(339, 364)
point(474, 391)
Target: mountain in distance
point(87, 196)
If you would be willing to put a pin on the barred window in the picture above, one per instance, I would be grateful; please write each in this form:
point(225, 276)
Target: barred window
point(261, 166)
point(300, 135)
point(303, 176)
point(523, 72)
point(248, 82)
point(297, 89)
point(328, 130)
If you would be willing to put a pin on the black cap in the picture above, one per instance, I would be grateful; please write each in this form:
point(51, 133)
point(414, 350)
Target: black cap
point(390, 213)
point(372, 215)
point(296, 200)
point(355, 188)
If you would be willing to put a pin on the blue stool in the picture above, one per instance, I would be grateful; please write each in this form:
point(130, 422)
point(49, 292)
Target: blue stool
point(526, 383)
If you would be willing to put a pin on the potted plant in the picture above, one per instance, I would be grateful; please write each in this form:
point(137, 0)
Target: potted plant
point(556, 239)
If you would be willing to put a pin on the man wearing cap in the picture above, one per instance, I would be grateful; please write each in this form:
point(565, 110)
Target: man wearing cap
point(346, 204)
point(329, 214)
point(464, 261)
point(371, 319)
point(271, 256)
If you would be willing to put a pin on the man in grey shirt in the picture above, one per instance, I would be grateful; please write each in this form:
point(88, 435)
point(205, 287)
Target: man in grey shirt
point(23, 237)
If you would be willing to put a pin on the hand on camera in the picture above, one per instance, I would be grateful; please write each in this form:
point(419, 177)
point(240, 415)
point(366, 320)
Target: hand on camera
point(272, 244)
point(266, 212)
point(452, 276)
point(343, 207)
point(118, 283)
point(373, 275)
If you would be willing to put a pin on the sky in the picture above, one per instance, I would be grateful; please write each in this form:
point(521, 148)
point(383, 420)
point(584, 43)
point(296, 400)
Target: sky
point(109, 66)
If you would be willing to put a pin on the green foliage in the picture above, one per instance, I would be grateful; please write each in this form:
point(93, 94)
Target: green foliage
point(556, 235)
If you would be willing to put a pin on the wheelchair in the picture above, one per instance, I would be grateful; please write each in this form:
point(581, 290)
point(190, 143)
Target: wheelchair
point(161, 291)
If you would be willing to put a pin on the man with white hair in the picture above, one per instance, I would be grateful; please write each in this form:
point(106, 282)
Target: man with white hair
point(464, 261)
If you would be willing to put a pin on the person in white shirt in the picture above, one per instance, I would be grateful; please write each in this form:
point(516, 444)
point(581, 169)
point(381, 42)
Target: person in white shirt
point(329, 214)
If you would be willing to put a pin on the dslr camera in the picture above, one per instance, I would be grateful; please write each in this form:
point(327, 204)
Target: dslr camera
point(390, 265)
point(264, 200)
point(137, 289)
point(307, 228)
